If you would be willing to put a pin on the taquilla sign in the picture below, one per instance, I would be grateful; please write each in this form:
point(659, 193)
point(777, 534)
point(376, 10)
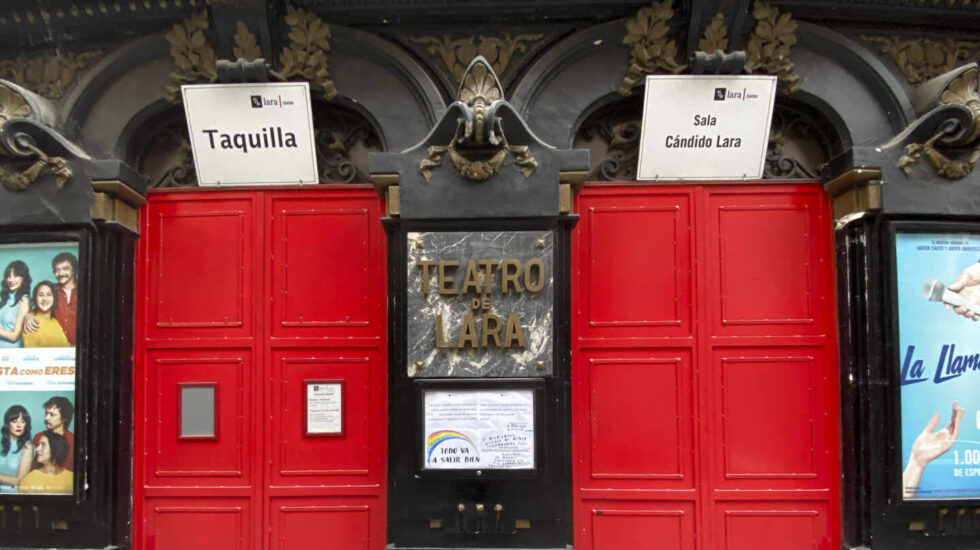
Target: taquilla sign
point(248, 134)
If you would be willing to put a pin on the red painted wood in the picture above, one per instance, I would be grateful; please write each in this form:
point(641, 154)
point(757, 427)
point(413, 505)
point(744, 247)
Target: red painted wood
point(257, 292)
point(704, 375)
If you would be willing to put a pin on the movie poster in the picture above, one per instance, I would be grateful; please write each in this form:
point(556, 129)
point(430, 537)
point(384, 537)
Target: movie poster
point(938, 289)
point(39, 304)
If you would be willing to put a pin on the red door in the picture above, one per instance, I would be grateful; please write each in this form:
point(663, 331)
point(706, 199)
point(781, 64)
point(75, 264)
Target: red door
point(704, 376)
point(245, 300)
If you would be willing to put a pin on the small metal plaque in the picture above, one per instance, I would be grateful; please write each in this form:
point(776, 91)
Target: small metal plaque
point(461, 322)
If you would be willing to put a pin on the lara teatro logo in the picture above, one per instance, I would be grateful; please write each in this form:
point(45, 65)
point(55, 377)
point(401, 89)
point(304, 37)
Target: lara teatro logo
point(720, 94)
point(258, 102)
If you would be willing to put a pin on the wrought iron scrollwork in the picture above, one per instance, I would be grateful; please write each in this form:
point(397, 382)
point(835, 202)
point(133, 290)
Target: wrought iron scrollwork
point(167, 159)
point(796, 146)
point(343, 140)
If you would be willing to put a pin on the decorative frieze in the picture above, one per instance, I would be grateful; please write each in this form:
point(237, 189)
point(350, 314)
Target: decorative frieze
point(456, 53)
point(49, 75)
point(921, 59)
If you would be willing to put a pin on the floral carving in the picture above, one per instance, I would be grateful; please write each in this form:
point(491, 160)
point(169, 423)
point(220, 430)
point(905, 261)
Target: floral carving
point(306, 55)
point(652, 50)
point(246, 46)
point(12, 105)
point(193, 55)
point(49, 75)
point(457, 53)
point(923, 58)
point(715, 36)
point(769, 45)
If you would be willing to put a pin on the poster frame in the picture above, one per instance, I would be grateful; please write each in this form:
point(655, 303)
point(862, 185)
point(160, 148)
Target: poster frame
point(536, 385)
point(180, 411)
point(85, 272)
point(893, 357)
point(306, 407)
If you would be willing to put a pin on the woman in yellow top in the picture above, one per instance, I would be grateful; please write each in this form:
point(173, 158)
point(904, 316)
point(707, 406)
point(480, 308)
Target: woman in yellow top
point(49, 333)
point(49, 474)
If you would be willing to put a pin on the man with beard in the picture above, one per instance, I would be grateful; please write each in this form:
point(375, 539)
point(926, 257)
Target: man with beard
point(65, 267)
point(58, 412)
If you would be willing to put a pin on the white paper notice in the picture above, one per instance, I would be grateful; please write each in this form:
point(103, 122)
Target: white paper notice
point(324, 404)
point(470, 430)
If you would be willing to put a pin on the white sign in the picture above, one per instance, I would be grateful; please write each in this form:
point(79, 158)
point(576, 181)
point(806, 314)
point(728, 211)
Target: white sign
point(324, 408)
point(470, 430)
point(251, 134)
point(705, 127)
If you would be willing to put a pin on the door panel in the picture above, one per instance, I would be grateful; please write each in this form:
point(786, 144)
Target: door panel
point(249, 297)
point(704, 368)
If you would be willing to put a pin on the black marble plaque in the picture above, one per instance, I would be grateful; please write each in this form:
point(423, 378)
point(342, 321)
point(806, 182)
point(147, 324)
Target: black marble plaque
point(533, 306)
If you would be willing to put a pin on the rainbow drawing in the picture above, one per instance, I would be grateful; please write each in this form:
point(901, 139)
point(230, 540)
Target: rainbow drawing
point(436, 438)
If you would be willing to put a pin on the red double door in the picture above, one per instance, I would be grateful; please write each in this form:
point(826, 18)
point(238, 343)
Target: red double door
point(250, 296)
point(704, 386)
point(704, 376)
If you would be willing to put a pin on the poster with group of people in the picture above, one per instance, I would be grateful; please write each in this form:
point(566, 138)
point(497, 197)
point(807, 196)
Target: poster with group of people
point(38, 313)
point(938, 291)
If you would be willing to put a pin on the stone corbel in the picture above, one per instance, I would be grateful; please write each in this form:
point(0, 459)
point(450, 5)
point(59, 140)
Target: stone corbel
point(29, 148)
point(952, 147)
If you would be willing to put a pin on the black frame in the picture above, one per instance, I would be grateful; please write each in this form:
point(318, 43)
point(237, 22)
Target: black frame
point(893, 357)
point(98, 513)
point(536, 385)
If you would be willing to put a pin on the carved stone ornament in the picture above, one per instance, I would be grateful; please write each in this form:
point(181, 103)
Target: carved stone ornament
point(652, 50)
point(715, 37)
point(306, 55)
point(767, 51)
point(193, 55)
point(921, 59)
point(479, 147)
point(19, 148)
point(961, 91)
point(456, 53)
point(48, 75)
point(246, 46)
point(12, 105)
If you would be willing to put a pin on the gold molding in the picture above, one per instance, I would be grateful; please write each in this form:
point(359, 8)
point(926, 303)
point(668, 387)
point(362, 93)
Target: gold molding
point(769, 44)
point(715, 37)
point(306, 55)
point(193, 55)
point(652, 51)
point(246, 46)
point(456, 53)
point(12, 105)
point(48, 75)
point(110, 209)
point(921, 59)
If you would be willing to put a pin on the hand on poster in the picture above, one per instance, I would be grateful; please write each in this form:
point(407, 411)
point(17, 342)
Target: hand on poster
point(928, 446)
point(967, 285)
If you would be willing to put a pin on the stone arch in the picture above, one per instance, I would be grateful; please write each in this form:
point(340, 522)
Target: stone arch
point(842, 83)
point(124, 94)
